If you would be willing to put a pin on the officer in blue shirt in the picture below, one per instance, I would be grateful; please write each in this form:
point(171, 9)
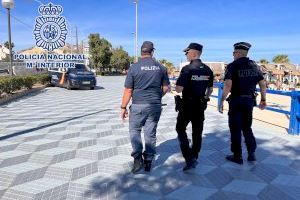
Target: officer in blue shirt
point(196, 84)
point(241, 78)
point(146, 83)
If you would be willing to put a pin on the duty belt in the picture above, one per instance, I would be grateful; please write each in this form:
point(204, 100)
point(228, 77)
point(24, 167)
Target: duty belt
point(247, 96)
point(241, 95)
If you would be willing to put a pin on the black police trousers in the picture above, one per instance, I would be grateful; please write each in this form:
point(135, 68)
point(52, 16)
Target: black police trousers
point(240, 120)
point(192, 111)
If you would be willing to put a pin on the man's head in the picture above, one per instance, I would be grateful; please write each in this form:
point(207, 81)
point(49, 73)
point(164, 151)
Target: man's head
point(147, 48)
point(241, 50)
point(193, 51)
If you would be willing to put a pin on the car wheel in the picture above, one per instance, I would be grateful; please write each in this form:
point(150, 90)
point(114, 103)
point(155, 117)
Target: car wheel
point(92, 88)
point(51, 83)
point(69, 85)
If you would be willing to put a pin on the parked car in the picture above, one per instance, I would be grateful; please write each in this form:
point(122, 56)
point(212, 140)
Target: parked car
point(79, 77)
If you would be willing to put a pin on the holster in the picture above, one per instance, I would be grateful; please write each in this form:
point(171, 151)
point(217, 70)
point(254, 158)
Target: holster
point(229, 98)
point(254, 98)
point(178, 103)
point(204, 100)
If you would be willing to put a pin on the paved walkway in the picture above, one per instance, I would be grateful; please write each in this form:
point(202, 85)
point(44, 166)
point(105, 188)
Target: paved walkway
point(64, 144)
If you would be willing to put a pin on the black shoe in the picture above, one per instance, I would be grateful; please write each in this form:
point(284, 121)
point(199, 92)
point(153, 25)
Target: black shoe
point(235, 159)
point(251, 157)
point(147, 164)
point(195, 162)
point(137, 165)
point(190, 165)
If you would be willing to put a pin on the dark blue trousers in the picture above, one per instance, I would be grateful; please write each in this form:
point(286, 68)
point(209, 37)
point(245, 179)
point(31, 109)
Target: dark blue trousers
point(240, 121)
point(193, 111)
point(144, 116)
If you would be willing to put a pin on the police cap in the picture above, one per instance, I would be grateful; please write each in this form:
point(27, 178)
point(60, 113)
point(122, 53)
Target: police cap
point(242, 45)
point(147, 46)
point(194, 46)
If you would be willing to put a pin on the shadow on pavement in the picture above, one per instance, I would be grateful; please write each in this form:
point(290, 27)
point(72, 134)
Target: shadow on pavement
point(213, 172)
point(48, 125)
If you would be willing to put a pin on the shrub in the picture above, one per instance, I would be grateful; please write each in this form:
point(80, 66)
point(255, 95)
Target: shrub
point(1, 86)
point(11, 84)
point(43, 79)
point(17, 83)
point(29, 81)
point(6, 86)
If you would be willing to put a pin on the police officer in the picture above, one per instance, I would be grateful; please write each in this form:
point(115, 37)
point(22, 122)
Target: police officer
point(146, 82)
point(241, 78)
point(196, 84)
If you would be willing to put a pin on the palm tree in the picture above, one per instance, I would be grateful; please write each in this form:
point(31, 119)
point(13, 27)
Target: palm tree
point(170, 67)
point(281, 58)
point(6, 44)
point(263, 61)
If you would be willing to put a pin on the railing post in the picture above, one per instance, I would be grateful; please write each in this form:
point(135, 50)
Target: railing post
point(294, 126)
point(220, 92)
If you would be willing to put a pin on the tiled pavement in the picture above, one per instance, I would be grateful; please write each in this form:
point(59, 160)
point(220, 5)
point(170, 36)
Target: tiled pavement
point(64, 144)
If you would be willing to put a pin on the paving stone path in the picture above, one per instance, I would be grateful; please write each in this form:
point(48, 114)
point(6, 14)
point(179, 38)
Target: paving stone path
point(62, 144)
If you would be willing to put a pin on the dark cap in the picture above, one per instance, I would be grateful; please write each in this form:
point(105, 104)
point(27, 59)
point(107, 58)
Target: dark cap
point(242, 45)
point(147, 46)
point(195, 46)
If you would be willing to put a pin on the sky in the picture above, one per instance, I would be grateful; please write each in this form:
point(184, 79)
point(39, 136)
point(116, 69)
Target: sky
point(271, 26)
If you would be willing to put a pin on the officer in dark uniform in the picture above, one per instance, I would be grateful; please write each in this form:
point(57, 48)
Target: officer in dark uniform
point(241, 78)
point(146, 83)
point(196, 84)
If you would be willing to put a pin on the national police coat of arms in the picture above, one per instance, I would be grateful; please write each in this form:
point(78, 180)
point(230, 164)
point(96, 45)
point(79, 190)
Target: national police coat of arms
point(50, 30)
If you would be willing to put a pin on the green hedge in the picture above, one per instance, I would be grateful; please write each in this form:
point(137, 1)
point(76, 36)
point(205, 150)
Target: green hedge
point(10, 84)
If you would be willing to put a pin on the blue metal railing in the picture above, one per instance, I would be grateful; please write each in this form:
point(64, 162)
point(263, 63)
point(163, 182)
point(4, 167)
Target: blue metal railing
point(294, 124)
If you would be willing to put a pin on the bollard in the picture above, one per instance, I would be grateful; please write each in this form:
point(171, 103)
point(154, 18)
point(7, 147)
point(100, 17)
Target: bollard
point(294, 126)
point(220, 92)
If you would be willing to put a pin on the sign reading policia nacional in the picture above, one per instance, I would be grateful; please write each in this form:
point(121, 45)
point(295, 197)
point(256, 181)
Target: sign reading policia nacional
point(50, 33)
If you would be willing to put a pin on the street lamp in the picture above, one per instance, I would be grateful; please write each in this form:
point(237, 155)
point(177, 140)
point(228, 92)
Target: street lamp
point(134, 49)
point(136, 29)
point(9, 4)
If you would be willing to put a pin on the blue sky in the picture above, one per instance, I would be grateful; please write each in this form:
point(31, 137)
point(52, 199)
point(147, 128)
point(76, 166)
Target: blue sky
point(271, 26)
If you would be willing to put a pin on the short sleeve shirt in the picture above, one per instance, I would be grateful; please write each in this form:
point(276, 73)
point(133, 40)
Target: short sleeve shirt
point(146, 78)
point(245, 74)
point(195, 78)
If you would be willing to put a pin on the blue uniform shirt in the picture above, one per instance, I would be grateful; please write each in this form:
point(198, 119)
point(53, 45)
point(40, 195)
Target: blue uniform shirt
point(245, 74)
point(195, 78)
point(146, 78)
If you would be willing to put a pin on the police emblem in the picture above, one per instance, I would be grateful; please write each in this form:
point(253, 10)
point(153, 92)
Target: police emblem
point(50, 30)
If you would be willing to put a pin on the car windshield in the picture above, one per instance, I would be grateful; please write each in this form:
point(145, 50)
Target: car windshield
point(80, 67)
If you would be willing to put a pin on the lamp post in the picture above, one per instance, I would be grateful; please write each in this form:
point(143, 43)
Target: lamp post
point(9, 4)
point(134, 52)
point(136, 29)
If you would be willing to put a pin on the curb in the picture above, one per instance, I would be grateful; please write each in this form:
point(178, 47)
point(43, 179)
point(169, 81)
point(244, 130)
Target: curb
point(14, 97)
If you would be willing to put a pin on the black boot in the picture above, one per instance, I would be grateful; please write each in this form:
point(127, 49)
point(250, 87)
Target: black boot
point(190, 165)
point(137, 165)
point(195, 160)
point(251, 157)
point(147, 164)
point(235, 159)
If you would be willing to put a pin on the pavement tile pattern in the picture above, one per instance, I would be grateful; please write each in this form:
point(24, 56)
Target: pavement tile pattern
point(72, 144)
